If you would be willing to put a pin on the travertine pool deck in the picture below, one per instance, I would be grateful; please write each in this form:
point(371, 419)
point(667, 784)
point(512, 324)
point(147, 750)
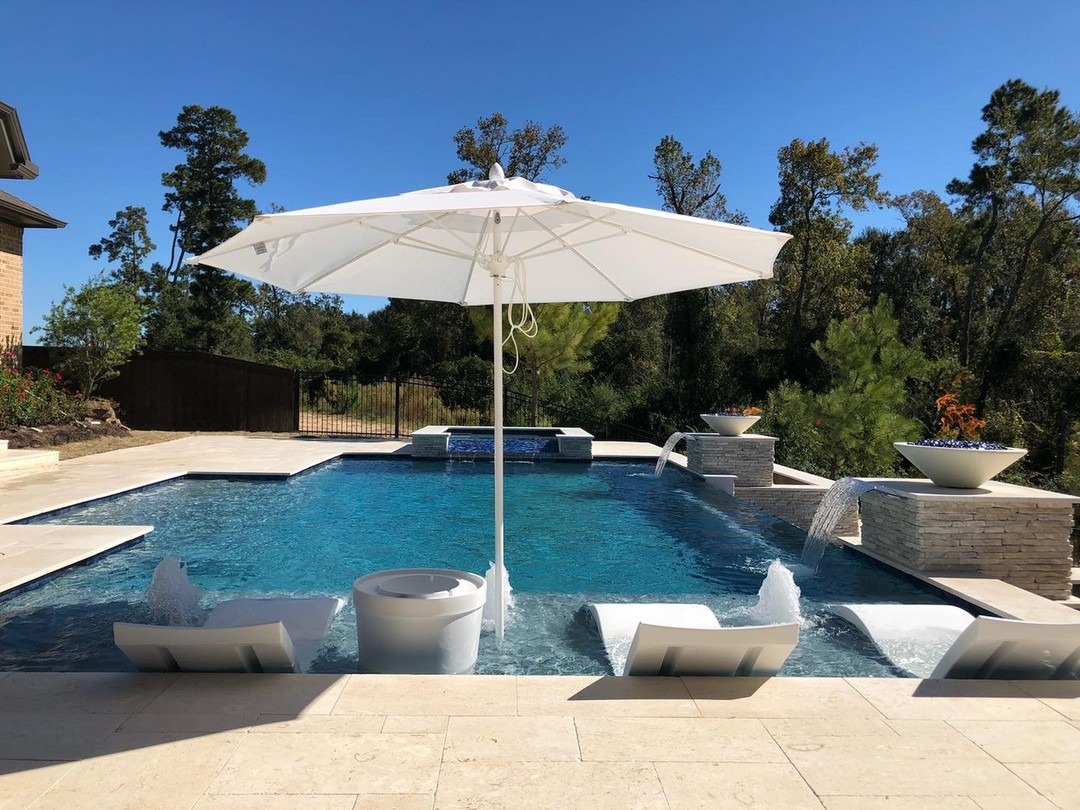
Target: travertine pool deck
point(315, 742)
point(212, 742)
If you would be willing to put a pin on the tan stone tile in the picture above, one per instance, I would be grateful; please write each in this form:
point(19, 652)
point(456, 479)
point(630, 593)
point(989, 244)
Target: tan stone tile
point(511, 738)
point(911, 699)
point(188, 723)
point(80, 692)
point(390, 801)
point(608, 696)
point(938, 731)
point(1031, 802)
point(428, 695)
point(675, 739)
point(822, 727)
point(546, 785)
point(1018, 741)
point(24, 781)
point(318, 723)
point(915, 766)
point(263, 802)
point(1062, 696)
point(332, 763)
point(1057, 781)
point(210, 693)
point(54, 736)
point(899, 803)
point(790, 698)
point(419, 724)
point(138, 771)
point(734, 785)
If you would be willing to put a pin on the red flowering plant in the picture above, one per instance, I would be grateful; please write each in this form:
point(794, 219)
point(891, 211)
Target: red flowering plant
point(33, 397)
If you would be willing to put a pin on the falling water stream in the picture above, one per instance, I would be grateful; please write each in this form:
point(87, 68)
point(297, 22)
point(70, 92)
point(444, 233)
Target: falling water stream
point(840, 497)
point(665, 451)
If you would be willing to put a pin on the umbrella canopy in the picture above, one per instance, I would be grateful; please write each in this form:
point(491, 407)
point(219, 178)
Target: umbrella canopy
point(462, 243)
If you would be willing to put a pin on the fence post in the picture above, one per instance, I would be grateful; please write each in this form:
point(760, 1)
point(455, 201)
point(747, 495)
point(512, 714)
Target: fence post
point(295, 417)
point(397, 406)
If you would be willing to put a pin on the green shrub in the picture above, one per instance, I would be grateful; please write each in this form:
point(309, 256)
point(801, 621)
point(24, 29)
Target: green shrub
point(35, 397)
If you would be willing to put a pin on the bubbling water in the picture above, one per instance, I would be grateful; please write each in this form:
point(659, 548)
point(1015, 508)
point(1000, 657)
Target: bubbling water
point(507, 596)
point(665, 451)
point(778, 597)
point(172, 597)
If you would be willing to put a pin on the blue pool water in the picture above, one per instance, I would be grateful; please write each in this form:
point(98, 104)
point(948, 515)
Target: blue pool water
point(575, 534)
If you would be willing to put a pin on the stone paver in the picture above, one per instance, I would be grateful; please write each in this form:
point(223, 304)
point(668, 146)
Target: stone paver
point(327, 742)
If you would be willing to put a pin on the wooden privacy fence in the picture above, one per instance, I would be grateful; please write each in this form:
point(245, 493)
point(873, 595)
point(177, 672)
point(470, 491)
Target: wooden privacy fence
point(161, 390)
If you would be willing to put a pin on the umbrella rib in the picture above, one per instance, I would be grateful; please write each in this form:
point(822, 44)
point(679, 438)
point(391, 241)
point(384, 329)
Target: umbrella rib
point(672, 243)
point(573, 249)
point(561, 240)
point(360, 221)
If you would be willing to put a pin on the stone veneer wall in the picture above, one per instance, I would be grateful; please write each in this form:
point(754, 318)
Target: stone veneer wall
point(576, 447)
point(11, 287)
point(748, 457)
point(796, 504)
point(1024, 542)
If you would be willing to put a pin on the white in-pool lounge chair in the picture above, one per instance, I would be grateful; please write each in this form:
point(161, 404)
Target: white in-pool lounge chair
point(240, 635)
point(680, 639)
point(979, 646)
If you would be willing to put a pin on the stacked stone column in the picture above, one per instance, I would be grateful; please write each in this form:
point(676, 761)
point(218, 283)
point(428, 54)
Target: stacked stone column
point(748, 457)
point(1016, 534)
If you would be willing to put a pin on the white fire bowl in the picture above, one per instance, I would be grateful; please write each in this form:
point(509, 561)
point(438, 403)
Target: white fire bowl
point(960, 467)
point(729, 425)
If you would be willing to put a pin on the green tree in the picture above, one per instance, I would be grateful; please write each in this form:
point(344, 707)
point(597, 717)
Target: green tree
point(815, 274)
point(202, 190)
point(564, 337)
point(100, 326)
point(202, 195)
point(128, 245)
point(699, 324)
point(690, 188)
point(527, 152)
point(1022, 192)
point(849, 429)
point(307, 332)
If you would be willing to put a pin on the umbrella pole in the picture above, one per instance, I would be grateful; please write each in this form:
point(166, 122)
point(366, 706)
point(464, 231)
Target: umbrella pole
point(500, 574)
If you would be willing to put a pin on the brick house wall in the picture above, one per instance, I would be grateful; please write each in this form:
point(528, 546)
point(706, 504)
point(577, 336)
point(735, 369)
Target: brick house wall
point(11, 287)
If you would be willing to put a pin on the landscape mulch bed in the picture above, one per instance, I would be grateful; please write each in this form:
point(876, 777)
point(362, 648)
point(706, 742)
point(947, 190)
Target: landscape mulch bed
point(21, 437)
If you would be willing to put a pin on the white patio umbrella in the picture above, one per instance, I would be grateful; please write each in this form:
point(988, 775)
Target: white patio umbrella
point(464, 243)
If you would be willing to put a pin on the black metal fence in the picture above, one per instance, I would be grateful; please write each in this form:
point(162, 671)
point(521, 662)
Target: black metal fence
point(395, 406)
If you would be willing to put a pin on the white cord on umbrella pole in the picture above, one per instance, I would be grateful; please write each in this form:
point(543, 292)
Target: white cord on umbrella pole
point(526, 322)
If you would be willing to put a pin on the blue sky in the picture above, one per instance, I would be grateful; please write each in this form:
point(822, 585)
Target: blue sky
point(345, 100)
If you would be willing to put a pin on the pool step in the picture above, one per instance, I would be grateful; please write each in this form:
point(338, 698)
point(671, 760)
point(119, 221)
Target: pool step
point(21, 461)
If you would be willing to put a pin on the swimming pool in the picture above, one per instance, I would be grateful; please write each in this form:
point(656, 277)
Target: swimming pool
point(605, 531)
